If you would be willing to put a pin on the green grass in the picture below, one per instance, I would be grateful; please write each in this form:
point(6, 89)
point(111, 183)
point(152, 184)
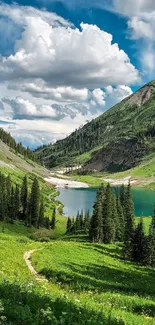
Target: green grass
point(88, 283)
point(144, 174)
point(94, 276)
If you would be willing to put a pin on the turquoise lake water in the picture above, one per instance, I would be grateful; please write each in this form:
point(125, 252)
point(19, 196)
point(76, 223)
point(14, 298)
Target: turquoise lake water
point(84, 198)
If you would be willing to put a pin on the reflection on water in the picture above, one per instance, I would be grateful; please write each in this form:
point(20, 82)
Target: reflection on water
point(84, 198)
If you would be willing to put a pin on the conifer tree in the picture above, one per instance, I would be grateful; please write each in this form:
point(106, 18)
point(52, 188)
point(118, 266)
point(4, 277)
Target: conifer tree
point(122, 193)
point(53, 220)
point(77, 222)
point(129, 223)
point(96, 224)
point(121, 221)
point(16, 202)
point(41, 213)
point(81, 221)
point(87, 221)
point(24, 198)
point(108, 220)
point(139, 243)
point(151, 242)
point(68, 225)
point(11, 210)
point(34, 203)
point(47, 222)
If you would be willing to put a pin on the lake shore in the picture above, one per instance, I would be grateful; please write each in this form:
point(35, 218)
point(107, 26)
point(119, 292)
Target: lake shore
point(65, 183)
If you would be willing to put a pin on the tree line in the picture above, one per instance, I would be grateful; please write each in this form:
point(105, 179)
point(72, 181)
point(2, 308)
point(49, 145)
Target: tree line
point(113, 221)
point(19, 203)
point(18, 147)
point(80, 223)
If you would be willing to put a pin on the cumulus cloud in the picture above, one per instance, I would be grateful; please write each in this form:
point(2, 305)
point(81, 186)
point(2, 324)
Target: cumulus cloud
point(59, 76)
point(39, 88)
point(51, 53)
point(23, 109)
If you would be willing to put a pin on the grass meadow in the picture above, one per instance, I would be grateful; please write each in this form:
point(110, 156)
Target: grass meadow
point(88, 284)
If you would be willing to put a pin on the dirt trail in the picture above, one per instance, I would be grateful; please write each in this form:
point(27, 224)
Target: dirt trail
point(27, 256)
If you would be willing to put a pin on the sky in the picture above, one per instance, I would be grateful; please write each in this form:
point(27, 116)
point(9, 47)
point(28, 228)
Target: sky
point(63, 63)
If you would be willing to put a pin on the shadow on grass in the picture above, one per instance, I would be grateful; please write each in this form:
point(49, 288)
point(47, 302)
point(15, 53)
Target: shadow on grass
point(23, 305)
point(130, 283)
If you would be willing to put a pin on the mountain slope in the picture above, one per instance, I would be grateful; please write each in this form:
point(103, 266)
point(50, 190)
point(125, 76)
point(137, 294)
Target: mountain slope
point(116, 140)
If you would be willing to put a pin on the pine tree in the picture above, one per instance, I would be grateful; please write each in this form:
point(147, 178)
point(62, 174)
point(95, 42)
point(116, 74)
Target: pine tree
point(53, 220)
point(121, 221)
point(129, 223)
point(139, 243)
point(16, 202)
point(68, 225)
point(47, 222)
point(96, 223)
point(11, 210)
point(87, 221)
point(122, 194)
point(41, 213)
point(34, 203)
point(77, 222)
point(151, 243)
point(129, 207)
point(81, 221)
point(24, 198)
point(108, 220)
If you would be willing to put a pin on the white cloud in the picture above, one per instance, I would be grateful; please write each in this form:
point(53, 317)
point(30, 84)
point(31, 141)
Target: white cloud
point(58, 72)
point(21, 14)
point(65, 56)
point(21, 109)
point(98, 96)
point(140, 28)
point(116, 95)
point(39, 88)
point(133, 7)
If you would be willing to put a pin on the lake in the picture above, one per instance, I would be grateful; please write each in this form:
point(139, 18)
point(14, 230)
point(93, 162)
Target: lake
point(84, 198)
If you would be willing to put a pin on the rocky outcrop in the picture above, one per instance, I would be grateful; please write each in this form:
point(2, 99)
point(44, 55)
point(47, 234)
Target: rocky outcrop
point(118, 156)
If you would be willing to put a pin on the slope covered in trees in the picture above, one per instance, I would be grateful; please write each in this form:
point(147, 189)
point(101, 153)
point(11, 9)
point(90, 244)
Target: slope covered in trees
point(116, 140)
point(17, 147)
point(21, 203)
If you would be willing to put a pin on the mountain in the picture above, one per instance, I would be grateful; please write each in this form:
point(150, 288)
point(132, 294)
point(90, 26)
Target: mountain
point(15, 159)
point(117, 140)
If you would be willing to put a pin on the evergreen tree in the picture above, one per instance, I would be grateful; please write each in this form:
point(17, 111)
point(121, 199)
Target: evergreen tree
point(121, 222)
point(41, 213)
point(139, 243)
point(96, 223)
point(16, 202)
point(34, 203)
point(24, 198)
point(81, 221)
point(68, 225)
point(122, 194)
point(78, 222)
point(129, 223)
point(11, 206)
point(87, 221)
point(47, 222)
point(53, 220)
point(109, 229)
point(151, 243)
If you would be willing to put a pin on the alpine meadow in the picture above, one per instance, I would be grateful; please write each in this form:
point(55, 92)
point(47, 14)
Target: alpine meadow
point(77, 162)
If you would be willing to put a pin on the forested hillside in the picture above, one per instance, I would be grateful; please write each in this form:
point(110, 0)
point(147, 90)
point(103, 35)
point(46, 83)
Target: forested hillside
point(18, 147)
point(127, 128)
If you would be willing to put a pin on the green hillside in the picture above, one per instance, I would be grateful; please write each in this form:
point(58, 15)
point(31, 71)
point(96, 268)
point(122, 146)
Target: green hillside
point(117, 140)
point(87, 283)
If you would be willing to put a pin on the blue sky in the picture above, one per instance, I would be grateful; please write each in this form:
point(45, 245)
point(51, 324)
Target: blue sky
point(63, 63)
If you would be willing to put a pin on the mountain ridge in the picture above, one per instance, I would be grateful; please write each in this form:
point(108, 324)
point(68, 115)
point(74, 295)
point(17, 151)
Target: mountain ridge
point(131, 119)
